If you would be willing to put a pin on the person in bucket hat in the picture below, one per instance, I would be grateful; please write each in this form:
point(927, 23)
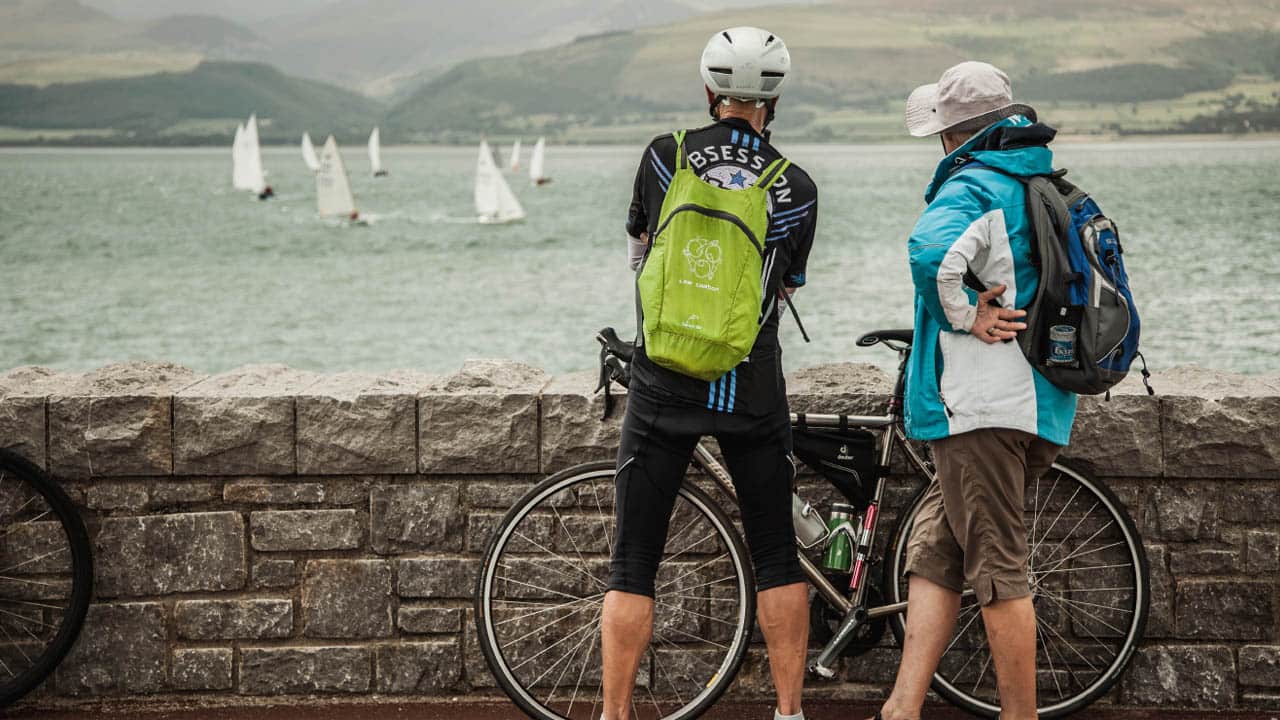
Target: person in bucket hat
point(993, 422)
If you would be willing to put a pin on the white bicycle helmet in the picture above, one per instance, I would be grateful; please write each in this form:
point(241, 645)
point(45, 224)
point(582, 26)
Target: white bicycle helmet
point(746, 63)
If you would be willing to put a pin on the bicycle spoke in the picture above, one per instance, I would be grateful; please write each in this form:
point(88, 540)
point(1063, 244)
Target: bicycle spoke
point(547, 609)
point(562, 558)
point(574, 542)
point(690, 572)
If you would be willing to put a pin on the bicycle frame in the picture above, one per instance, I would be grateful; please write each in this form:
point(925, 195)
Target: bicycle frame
point(890, 435)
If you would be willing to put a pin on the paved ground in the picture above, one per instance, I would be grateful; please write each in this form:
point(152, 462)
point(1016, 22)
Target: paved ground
point(504, 711)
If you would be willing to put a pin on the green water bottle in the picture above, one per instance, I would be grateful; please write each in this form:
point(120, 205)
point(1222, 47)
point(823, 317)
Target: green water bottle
point(839, 555)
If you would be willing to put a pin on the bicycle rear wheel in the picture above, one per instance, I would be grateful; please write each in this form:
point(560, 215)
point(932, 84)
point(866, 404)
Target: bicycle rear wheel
point(541, 591)
point(46, 576)
point(1090, 585)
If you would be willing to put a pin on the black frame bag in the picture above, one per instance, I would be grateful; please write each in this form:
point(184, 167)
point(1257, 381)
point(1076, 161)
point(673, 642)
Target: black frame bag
point(847, 457)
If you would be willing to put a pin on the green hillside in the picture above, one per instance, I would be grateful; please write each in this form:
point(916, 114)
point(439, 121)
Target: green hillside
point(202, 105)
point(1092, 66)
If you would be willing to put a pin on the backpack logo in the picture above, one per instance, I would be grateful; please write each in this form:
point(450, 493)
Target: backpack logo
point(703, 256)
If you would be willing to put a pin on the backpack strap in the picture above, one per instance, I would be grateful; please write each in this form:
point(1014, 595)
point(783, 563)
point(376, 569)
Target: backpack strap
point(772, 173)
point(682, 162)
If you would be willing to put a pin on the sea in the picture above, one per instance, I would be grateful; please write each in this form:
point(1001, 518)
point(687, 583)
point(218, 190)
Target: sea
point(109, 255)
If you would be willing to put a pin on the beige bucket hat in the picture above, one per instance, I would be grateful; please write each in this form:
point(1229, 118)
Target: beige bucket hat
point(971, 94)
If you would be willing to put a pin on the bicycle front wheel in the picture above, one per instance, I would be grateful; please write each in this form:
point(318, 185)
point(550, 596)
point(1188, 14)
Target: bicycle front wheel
point(46, 576)
point(541, 591)
point(1089, 583)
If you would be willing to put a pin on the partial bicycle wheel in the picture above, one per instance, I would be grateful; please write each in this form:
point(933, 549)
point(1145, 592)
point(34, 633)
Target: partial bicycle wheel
point(46, 576)
point(1090, 585)
point(541, 591)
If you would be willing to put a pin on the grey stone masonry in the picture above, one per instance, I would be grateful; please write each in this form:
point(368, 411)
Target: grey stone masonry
point(270, 532)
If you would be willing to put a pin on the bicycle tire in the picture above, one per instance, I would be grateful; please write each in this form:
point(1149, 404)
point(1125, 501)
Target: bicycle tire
point(71, 620)
point(484, 623)
point(895, 558)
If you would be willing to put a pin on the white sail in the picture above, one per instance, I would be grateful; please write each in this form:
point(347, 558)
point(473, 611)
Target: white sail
point(239, 161)
point(536, 173)
point(309, 153)
point(375, 152)
point(495, 203)
point(515, 155)
point(255, 176)
point(333, 190)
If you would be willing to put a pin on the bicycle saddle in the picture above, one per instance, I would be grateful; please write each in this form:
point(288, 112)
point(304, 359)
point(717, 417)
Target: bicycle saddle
point(879, 336)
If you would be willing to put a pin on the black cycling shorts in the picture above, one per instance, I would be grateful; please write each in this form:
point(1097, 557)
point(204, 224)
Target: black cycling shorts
point(657, 444)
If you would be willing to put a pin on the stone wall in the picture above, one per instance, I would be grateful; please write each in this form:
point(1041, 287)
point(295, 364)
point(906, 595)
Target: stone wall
point(269, 531)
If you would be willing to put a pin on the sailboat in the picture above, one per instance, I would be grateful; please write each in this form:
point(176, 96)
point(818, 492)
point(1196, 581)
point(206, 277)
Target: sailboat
point(333, 189)
point(255, 176)
point(495, 203)
point(515, 156)
point(375, 153)
point(309, 153)
point(239, 161)
point(536, 174)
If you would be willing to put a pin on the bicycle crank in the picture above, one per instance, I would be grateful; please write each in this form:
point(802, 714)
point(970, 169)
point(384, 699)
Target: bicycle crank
point(827, 661)
point(824, 621)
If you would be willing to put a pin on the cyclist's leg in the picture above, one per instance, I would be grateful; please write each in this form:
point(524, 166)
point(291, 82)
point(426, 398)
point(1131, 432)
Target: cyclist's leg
point(934, 566)
point(758, 453)
point(652, 458)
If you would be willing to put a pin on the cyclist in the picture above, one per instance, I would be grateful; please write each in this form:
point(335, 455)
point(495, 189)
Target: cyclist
point(993, 421)
point(743, 70)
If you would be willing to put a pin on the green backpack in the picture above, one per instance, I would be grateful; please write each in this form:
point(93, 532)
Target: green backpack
point(700, 287)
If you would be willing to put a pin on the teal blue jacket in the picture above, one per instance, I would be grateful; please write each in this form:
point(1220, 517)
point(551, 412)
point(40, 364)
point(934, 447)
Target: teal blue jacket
point(977, 220)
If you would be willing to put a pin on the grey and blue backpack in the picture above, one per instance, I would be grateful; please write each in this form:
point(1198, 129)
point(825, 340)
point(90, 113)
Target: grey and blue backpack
point(1084, 291)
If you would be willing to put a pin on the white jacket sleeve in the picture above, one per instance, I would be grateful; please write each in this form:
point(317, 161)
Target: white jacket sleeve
point(635, 251)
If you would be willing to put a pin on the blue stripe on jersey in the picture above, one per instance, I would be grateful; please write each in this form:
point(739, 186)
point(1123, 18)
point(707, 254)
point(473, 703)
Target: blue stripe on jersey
point(663, 172)
point(792, 211)
point(711, 394)
point(756, 145)
point(734, 137)
point(733, 387)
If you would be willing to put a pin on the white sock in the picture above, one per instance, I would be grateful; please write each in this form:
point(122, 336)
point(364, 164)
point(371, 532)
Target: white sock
point(779, 716)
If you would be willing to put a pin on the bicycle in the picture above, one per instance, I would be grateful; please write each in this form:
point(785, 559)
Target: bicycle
point(46, 576)
point(542, 582)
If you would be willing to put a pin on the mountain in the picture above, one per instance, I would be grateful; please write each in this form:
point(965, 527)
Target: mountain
point(1093, 66)
point(44, 26)
point(204, 33)
point(201, 105)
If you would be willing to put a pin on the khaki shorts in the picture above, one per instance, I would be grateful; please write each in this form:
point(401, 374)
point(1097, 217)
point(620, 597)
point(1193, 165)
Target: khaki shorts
point(970, 528)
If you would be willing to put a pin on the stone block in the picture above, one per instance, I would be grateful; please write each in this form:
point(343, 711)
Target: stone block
point(282, 530)
point(1250, 504)
point(347, 599)
point(573, 428)
point(163, 554)
point(438, 577)
point(482, 419)
point(274, 573)
point(842, 388)
point(1199, 562)
point(419, 667)
point(116, 496)
point(1120, 437)
point(200, 669)
point(247, 619)
point(239, 423)
point(1194, 676)
point(303, 670)
point(23, 391)
point(1161, 621)
point(1181, 512)
point(429, 620)
point(421, 516)
point(253, 492)
point(1260, 665)
point(1218, 424)
point(184, 492)
point(358, 422)
point(116, 421)
point(497, 493)
point(121, 650)
point(1225, 610)
point(1262, 552)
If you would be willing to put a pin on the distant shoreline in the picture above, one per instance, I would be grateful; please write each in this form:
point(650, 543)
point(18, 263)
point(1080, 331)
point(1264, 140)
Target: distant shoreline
point(1063, 138)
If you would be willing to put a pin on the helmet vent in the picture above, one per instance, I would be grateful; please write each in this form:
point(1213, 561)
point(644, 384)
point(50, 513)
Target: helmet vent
point(771, 38)
point(772, 74)
point(726, 36)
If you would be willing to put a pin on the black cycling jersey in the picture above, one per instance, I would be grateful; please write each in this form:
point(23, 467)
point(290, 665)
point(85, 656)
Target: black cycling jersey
point(729, 153)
